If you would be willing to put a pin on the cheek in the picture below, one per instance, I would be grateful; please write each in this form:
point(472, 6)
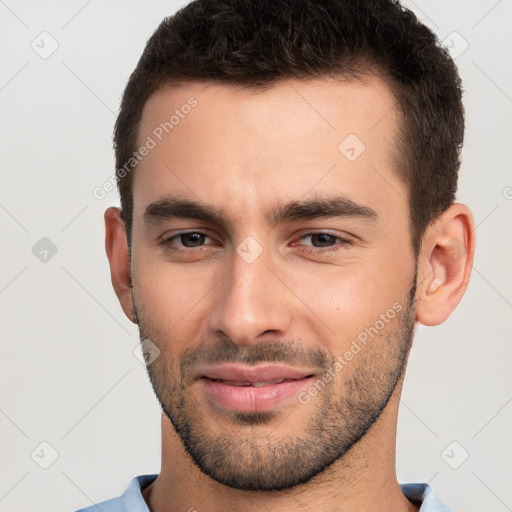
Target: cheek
point(351, 298)
point(170, 296)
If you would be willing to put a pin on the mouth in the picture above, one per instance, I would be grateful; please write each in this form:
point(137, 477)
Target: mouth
point(257, 388)
point(254, 384)
point(242, 384)
point(243, 374)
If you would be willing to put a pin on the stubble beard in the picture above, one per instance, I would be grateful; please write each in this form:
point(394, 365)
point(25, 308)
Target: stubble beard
point(257, 451)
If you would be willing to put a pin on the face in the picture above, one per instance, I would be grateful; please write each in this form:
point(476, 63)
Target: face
point(271, 241)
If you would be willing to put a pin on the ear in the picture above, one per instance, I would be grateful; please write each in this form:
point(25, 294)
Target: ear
point(116, 246)
point(445, 263)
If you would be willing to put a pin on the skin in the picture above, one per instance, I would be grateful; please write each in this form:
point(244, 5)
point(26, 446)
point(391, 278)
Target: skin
point(245, 152)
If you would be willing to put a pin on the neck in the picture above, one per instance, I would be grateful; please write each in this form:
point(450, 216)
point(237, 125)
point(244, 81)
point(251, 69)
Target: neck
point(364, 479)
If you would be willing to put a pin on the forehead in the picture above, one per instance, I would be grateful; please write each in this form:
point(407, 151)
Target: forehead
point(298, 137)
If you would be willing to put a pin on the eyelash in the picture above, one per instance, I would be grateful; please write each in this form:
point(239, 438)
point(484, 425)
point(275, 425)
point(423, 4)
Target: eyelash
point(342, 243)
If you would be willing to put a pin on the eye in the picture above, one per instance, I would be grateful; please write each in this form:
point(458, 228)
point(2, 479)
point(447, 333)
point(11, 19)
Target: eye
point(321, 239)
point(323, 242)
point(188, 240)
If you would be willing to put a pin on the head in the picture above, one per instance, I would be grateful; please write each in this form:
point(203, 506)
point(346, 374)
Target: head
point(294, 206)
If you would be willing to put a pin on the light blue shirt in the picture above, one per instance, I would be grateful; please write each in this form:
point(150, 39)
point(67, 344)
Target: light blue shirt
point(132, 500)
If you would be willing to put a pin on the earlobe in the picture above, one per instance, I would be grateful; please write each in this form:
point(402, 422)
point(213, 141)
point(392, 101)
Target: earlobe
point(445, 264)
point(116, 247)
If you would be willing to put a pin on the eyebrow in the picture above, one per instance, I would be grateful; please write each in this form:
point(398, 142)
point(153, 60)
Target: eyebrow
point(169, 208)
point(337, 206)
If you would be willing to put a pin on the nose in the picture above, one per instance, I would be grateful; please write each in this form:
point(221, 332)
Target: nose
point(250, 301)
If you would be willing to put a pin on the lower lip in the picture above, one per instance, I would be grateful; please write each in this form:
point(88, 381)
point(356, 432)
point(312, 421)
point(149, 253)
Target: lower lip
point(250, 398)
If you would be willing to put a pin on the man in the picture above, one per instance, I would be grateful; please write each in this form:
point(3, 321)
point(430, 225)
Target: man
point(287, 173)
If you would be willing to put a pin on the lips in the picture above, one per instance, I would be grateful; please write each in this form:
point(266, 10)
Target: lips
point(245, 388)
point(247, 383)
point(233, 372)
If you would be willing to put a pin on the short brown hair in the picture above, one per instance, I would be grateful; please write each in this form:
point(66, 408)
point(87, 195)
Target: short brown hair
point(257, 43)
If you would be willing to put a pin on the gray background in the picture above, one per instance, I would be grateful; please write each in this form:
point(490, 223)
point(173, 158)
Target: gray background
point(69, 376)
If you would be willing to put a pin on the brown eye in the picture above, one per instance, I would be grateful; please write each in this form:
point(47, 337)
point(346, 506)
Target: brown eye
point(321, 242)
point(322, 239)
point(192, 239)
point(184, 241)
